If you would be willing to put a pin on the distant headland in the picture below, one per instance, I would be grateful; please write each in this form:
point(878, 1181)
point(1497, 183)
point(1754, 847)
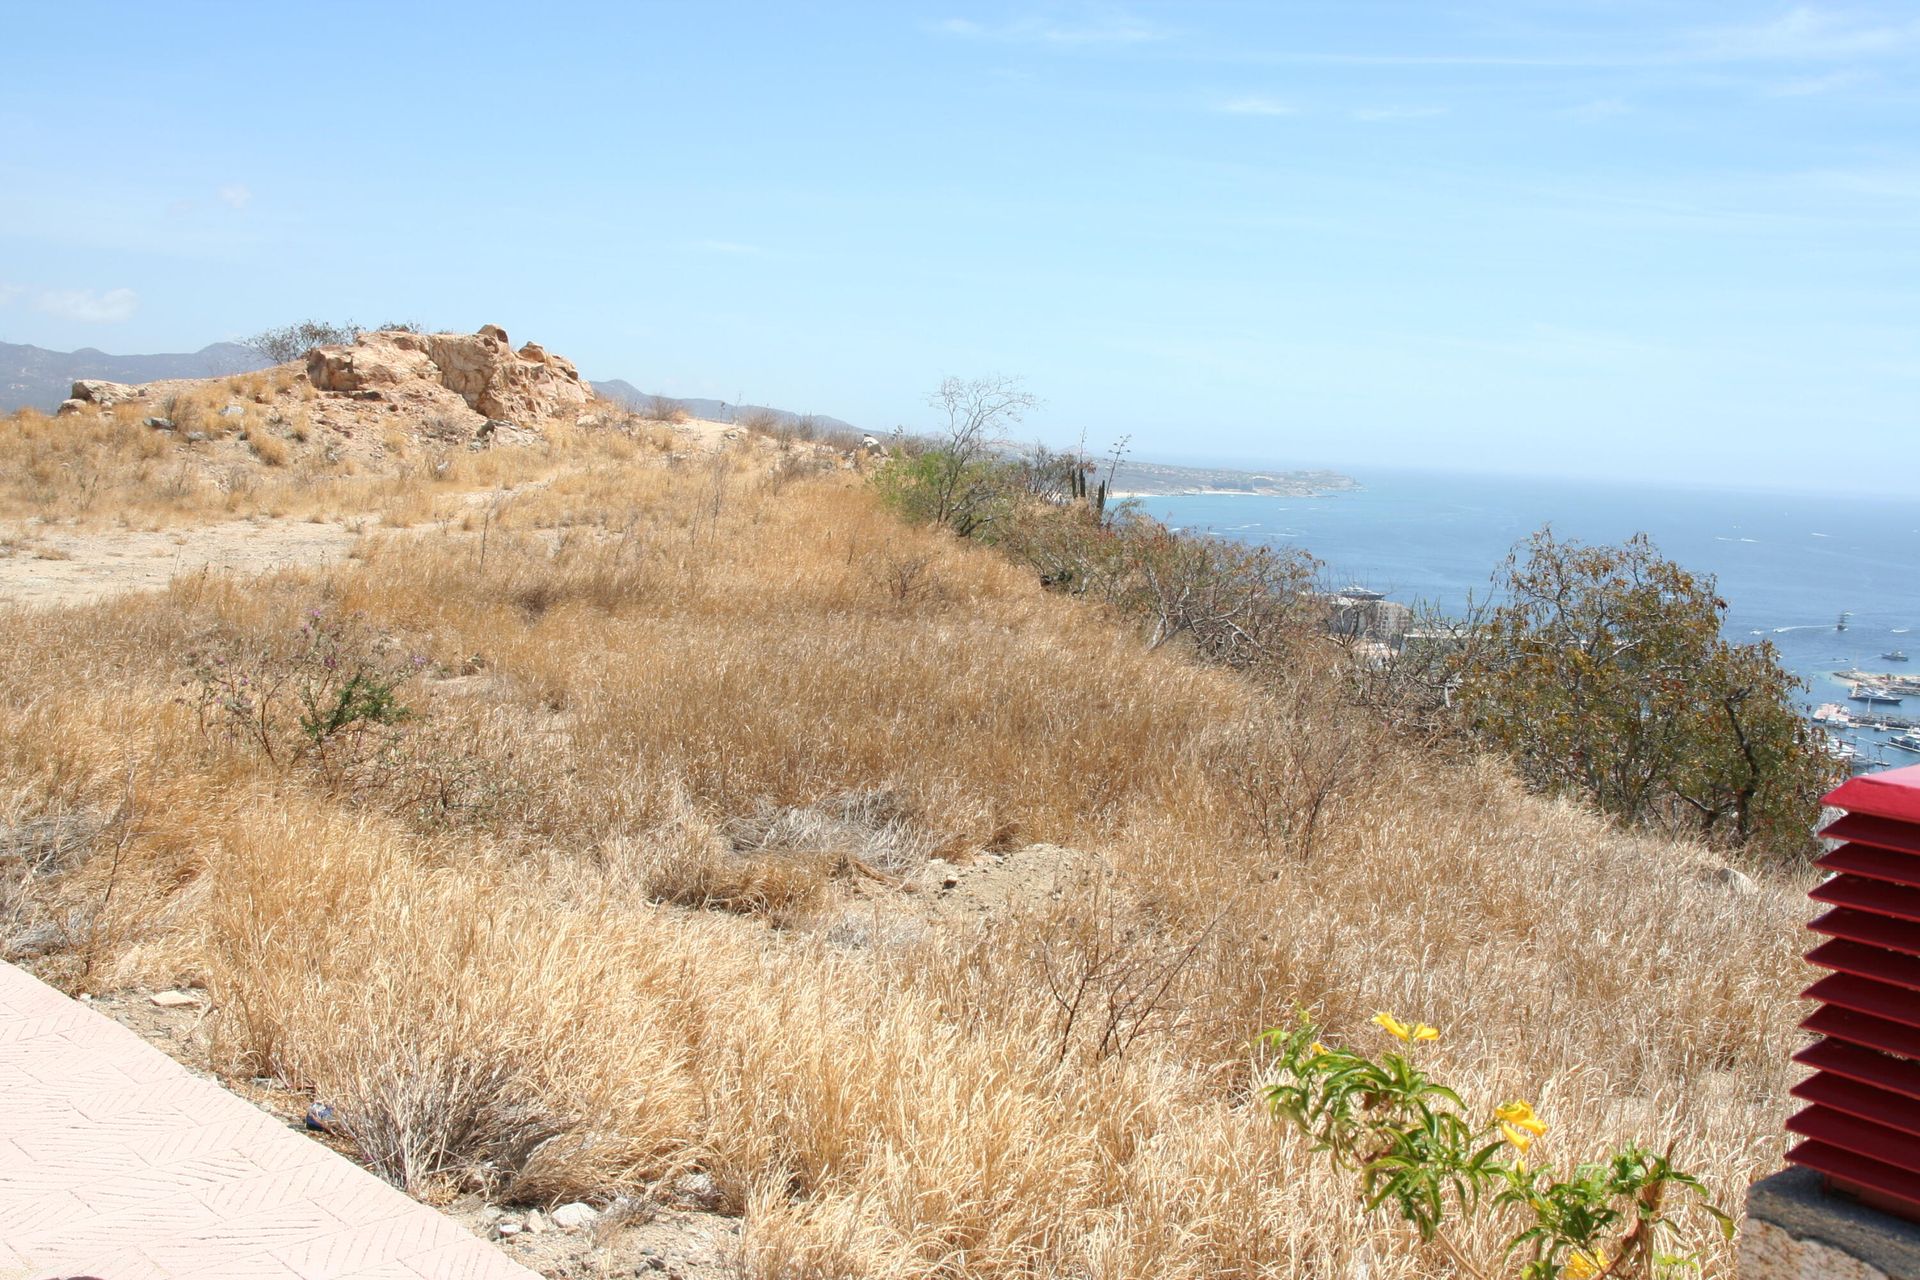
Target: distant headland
point(1133, 479)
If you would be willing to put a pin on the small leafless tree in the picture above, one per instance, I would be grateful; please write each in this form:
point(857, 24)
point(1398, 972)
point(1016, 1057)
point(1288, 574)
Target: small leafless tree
point(978, 413)
point(291, 341)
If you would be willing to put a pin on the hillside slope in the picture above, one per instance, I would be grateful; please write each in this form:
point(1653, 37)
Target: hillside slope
point(741, 848)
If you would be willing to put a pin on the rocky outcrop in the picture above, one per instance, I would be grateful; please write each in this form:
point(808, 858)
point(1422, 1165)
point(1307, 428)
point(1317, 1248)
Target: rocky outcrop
point(103, 395)
point(481, 368)
point(372, 361)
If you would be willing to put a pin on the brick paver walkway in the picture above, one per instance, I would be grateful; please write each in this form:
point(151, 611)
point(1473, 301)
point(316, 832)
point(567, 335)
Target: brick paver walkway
point(116, 1162)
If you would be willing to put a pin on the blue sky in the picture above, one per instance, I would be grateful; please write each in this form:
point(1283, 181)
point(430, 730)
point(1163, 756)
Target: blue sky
point(1604, 238)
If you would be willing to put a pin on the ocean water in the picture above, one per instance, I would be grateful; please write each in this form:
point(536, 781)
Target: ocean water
point(1787, 564)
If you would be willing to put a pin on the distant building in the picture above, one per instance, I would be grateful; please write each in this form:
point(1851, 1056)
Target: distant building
point(1358, 614)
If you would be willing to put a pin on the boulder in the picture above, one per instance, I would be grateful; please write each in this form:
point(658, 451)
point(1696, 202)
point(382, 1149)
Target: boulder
point(105, 394)
point(70, 407)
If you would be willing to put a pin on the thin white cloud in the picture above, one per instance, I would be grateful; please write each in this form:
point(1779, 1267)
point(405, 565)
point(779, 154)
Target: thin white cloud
point(1600, 109)
point(1806, 34)
point(87, 306)
point(235, 195)
point(1080, 27)
point(1255, 104)
point(1379, 115)
point(1814, 86)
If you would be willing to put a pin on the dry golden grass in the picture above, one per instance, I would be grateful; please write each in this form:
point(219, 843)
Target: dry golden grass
point(92, 470)
point(660, 688)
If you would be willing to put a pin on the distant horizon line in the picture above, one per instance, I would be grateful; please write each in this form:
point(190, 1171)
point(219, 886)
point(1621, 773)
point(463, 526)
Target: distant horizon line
point(1353, 471)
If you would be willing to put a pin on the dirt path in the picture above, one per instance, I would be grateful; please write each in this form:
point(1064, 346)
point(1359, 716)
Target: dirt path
point(53, 566)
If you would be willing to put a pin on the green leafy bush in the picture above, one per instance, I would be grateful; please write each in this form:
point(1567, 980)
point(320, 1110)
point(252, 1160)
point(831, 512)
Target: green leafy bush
point(1415, 1147)
point(1605, 674)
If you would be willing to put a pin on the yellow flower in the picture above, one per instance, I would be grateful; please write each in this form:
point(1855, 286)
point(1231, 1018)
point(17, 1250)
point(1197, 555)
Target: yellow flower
point(1401, 1031)
point(1581, 1266)
point(1518, 1124)
point(1317, 1050)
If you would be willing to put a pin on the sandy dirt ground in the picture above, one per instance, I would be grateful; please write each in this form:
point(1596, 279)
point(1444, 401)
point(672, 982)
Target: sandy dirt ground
point(54, 566)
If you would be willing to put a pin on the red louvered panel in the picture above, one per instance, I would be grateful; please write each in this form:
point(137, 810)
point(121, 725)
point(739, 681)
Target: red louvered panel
point(1863, 828)
point(1874, 930)
point(1864, 995)
point(1883, 1071)
point(1893, 794)
point(1868, 962)
point(1876, 896)
point(1880, 864)
point(1865, 1102)
point(1850, 1133)
point(1864, 1029)
point(1894, 1190)
point(1864, 1121)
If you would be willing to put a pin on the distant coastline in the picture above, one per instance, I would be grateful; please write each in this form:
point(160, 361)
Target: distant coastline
point(1162, 480)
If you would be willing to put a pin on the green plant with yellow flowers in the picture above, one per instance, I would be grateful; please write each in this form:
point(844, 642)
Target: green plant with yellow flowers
point(1416, 1147)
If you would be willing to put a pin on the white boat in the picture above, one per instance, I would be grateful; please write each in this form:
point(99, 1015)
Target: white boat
point(1908, 741)
point(1874, 695)
point(1895, 655)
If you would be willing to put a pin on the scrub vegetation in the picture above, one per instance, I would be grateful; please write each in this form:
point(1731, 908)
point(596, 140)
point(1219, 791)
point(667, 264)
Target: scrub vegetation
point(592, 827)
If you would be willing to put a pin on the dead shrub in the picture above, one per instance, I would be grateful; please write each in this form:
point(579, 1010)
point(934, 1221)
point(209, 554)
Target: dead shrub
point(270, 449)
point(666, 410)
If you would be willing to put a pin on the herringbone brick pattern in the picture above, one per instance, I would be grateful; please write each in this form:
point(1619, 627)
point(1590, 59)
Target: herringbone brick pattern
point(115, 1162)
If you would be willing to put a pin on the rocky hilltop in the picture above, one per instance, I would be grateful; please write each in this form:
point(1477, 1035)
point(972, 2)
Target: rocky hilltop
point(491, 378)
point(453, 388)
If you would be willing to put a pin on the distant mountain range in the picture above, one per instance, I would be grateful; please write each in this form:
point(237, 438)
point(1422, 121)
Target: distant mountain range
point(33, 377)
point(625, 393)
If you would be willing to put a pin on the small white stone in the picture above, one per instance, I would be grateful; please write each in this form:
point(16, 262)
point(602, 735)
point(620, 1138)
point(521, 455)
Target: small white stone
point(572, 1217)
point(536, 1222)
point(174, 999)
point(1737, 881)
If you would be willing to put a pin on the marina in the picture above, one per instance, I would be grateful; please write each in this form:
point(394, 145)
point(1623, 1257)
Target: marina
point(1892, 682)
